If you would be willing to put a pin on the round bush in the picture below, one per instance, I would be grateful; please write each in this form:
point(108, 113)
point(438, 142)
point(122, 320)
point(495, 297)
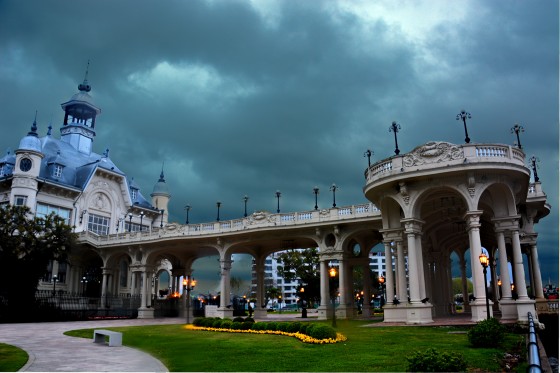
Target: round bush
point(207, 322)
point(434, 361)
point(272, 325)
point(246, 325)
point(322, 332)
point(198, 321)
point(236, 325)
point(249, 319)
point(217, 323)
point(293, 327)
point(238, 319)
point(303, 329)
point(226, 324)
point(259, 325)
point(486, 333)
point(282, 326)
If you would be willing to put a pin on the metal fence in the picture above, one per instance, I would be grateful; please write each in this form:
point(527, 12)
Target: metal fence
point(62, 305)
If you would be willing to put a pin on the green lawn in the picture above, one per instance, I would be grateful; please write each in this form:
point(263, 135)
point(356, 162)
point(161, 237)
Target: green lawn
point(12, 358)
point(367, 348)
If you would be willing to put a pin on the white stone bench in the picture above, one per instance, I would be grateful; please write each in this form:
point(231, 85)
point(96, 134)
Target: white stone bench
point(115, 338)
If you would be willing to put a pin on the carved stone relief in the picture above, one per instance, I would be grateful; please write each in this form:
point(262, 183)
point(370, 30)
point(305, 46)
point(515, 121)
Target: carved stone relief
point(433, 152)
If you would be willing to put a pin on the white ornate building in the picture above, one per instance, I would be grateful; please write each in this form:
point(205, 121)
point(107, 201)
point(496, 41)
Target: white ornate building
point(424, 205)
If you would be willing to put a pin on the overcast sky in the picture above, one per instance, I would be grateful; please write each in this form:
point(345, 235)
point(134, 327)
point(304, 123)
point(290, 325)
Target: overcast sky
point(249, 97)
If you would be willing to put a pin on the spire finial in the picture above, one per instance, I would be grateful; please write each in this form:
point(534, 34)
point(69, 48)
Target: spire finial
point(33, 131)
point(161, 177)
point(106, 153)
point(50, 129)
point(85, 87)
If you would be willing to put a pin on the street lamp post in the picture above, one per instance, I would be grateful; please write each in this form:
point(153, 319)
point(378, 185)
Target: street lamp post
point(218, 204)
point(187, 209)
point(130, 222)
point(303, 309)
point(381, 281)
point(161, 222)
point(463, 115)
point(516, 129)
point(534, 160)
point(54, 280)
point(141, 219)
point(316, 192)
point(484, 261)
point(333, 189)
point(84, 283)
point(395, 127)
point(332, 275)
point(278, 194)
point(188, 285)
point(368, 154)
point(245, 199)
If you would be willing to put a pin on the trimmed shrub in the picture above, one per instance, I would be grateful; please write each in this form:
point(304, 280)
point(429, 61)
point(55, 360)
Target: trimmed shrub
point(434, 361)
point(260, 325)
point(246, 325)
point(226, 324)
point(198, 321)
point(249, 319)
point(217, 323)
point(207, 322)
point(272, 325)
point(486, 333)
point(282, 326)
point(236, 325)
point(319, 331)
point(293, 327)
point(238, 319)
point(303, 329)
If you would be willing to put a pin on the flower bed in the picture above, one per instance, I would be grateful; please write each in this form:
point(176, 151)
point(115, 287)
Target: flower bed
point(256, 330)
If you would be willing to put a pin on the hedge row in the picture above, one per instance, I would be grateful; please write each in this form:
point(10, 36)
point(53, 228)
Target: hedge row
point(313, 330)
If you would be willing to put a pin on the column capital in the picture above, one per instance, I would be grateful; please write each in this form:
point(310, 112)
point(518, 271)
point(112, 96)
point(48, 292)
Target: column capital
point(413, 225)
point(473, 219)
point(393, 234)
point(508, 223)
point(225, 264)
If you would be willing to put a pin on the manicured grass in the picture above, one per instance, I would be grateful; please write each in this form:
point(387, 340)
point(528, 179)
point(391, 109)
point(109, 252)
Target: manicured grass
point(367, 348)
point(12, 358)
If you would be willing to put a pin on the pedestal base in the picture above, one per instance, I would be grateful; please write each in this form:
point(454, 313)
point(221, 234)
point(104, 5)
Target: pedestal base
point(524, 306)
point(409, 313)
point(225, 313)
point(145, 313)
point(509, 309)
point(260, 313)
point(478, 310)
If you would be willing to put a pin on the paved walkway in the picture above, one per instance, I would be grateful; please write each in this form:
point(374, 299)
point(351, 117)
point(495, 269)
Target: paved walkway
point(50, 350)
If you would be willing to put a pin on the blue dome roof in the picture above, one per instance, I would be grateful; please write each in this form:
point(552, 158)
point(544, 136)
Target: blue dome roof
point(160, 187)
point(31, 141)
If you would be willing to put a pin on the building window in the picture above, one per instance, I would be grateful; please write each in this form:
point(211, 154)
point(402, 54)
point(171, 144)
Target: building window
point(133, 227)
point(3, 170)
point(133, 193)
point(123, 275)
point(57, 171)
point(20, 200)
point(98, 224)
point(43, 210)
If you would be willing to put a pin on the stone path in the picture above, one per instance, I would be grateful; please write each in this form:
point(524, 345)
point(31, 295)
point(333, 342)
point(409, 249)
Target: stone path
point(50, 350)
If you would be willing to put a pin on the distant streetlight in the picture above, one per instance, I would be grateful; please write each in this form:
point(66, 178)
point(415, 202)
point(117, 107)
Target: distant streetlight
point(141, 218)
point(332, 275)
point(463, 115)
point(333, 189)
point(381, 281)
point(516, 129)
point(218, 204)
point(395, 127)
point(534, 160)
point(187, 209)
point(303, 309)
point(84, 283)
point(161, 223)
point(130, 222)
point(368, 154)
point(245, 199)
point(278, 194)
point(188, 285)
point(484, 261)
point(54, 281)
point(316, 192)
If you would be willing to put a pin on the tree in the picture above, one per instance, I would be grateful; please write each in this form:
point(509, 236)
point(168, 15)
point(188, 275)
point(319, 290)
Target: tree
point(302, 265)
point(27, 244)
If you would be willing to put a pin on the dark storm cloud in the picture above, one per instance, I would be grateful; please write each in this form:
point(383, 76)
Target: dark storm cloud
point(246, 98)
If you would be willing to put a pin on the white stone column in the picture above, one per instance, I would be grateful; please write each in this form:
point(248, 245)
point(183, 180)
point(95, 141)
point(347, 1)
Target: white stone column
point(366, 309)
point(324, 287)
point(343, 282)
point(478, 307)
point(225, 266)
point(389, 277)
point(144, 289)
point(401, 273)
point(104, 287)
point(520, 284)
point(420, 263)
point(464, 284)
point(413, 276)
point(504, 268)
point(260, 306)
point(539, 294)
